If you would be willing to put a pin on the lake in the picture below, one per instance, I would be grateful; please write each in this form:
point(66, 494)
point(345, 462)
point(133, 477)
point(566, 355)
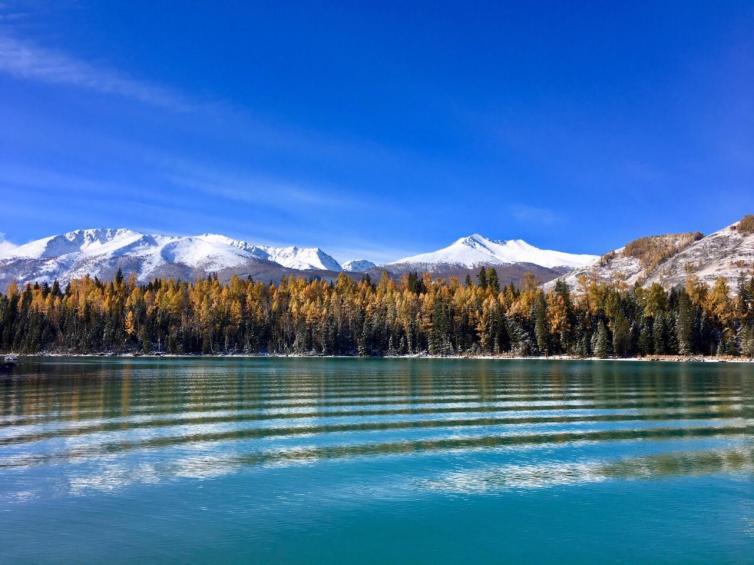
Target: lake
point(375, 460)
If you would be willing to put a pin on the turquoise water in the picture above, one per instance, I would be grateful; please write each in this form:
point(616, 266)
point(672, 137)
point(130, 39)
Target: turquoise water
point(376, 461)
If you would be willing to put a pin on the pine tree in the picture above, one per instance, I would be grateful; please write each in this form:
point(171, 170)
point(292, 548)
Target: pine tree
point(747, 341)
point(646, 342)
point(659, 331)
point(601, 345)
point(540, 324)
point(621, 336)
point(492, 280)
point(583, 346)
point(685, 325)
point(483, 277)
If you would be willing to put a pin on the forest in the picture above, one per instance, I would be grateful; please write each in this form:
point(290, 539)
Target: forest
point(414, 315)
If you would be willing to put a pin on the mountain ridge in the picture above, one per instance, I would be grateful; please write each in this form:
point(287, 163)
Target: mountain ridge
point(102, 252)
point(670, 259)
point(666, 259)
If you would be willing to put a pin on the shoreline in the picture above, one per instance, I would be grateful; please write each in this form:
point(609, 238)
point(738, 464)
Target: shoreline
point(152, 356)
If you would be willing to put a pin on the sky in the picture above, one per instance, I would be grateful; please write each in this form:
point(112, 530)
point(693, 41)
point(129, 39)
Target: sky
point(377, 130)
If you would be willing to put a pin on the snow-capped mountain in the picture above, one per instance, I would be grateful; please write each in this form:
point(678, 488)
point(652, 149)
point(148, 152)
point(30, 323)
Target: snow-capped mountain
point(101, 252)
point(666, 259)
point(476, 250)
point(670, 259)
point(358, 266)
point(302, 258)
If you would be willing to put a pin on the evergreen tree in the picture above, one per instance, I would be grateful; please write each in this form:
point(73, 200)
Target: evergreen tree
point(621, 336)
point(747, 341)
point(659, 333)
point(646, 341)
point(685, 325)
point(492, 280)
point(483, 277)
point(601, 342)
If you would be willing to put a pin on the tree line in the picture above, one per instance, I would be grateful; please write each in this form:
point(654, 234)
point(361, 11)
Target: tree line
point(416, 314)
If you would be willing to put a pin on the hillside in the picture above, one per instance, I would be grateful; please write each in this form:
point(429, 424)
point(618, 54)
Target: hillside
point(671, 258)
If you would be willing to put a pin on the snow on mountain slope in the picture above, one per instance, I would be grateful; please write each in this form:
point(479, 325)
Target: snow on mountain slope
point(475, 250)
point(670, 259)
point(666, 259)
point(101, 252)
point(358, 266)
point(87, 242)
point(200, 252)
point(726, 253)
point(634, 262)
point(302, 258)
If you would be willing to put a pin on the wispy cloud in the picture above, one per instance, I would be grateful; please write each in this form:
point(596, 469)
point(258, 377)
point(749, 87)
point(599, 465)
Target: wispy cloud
point(250, 188)
point(33, 182)
point(534, 215)
point(279, 204)
point(282, 212)
point(6, 247)
point(374, 251)
point(25, 60)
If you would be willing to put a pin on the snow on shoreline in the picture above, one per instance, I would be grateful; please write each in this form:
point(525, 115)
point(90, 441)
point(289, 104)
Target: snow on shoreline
point(152, 356)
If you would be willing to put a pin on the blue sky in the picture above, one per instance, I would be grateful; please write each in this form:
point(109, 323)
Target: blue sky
point(380, 129)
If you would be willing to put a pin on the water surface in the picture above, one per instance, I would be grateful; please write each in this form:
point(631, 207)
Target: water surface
point(351, 460)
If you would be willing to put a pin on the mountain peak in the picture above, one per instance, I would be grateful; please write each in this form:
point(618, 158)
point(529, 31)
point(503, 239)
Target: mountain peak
point(102, 235)
point(476, 250)
point(473, 238)
point(358, 266)
point(303, 258)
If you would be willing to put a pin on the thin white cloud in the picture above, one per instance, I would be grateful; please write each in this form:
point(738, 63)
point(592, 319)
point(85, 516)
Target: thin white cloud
point(162, 208)
point(6, 247)
point(254, 188)
point(24, 60)
point(534, 215)
point(359, 248)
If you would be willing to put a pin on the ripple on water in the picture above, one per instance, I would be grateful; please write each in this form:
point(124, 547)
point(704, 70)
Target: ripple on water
point(321, 434)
